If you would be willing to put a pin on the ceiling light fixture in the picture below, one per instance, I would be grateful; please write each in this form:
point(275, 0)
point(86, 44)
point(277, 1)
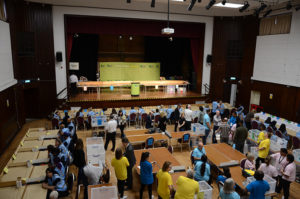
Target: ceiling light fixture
point(210, 4)
point(224, 2)
point(229, 5)
point(245, 6)
point(261, 8)
point(191, 5)
point(168, 30)
point(152, 3)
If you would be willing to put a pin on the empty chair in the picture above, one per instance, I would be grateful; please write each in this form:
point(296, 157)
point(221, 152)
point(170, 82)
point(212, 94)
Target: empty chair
point(185, 140)
point(149, 143)
point(132, 118)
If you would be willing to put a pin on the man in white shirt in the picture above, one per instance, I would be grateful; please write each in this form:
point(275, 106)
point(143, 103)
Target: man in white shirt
point(111, 129)
point(73, 82)
point(188, 113)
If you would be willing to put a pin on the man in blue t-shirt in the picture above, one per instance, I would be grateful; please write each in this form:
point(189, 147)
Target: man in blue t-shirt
point(198, 152)
point(207, 125)
point(259, 187)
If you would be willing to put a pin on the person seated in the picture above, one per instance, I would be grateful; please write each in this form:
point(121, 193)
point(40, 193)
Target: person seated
point(56, 115)
point(50, 149)
point(221, 107)
point(90, 112)
point(162, 122)
point(226, 175)
point(54, 182)
point(256, 119)
point(93, 173)
point(202, 170)
point(198, 152)
point(62, 148)
point(149, 121)
point(259, 187)
point(169, 112)
point(187, 187)
point(267, 122)
point(273, 125)
point(268, 169)
point(65, 118)
point(181, 122)
point(71, 127)
point(228, 190)
point(249, 163)
point(59, 168)
point(68, 141)
point(233, 119)
point(156, 112)
point(283, 130)
point(224, 130)
point(62, 156)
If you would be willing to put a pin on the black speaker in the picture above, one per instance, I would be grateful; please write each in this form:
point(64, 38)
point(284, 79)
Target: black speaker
point(209, 59)
point(59, 56)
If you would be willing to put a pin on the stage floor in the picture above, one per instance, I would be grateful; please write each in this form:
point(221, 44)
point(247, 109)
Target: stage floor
point(119, 96)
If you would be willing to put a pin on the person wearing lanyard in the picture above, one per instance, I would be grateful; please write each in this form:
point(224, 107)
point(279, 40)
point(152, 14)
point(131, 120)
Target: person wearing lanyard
point(288, 176)
point(280, 162)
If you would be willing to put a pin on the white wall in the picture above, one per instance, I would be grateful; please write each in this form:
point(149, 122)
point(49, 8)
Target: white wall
point(59, 32)
point(277, 57)
point(6, 67)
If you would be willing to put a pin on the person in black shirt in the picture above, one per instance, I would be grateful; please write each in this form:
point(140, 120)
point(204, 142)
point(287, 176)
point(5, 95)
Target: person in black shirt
point(181, 122)
point(149, 121)
point(177, 116)
point(129, 154)
point(162, 122)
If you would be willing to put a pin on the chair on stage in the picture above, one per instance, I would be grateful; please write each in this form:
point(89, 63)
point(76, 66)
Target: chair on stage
point(278, 133)
point(149, 143)
point(296, 143)
point(80, 123)
point(144, 118)
point(195, 120)
point(254, 124)
point(270, 129)
point(55, 123)
point(132, 118)
point(185, 140)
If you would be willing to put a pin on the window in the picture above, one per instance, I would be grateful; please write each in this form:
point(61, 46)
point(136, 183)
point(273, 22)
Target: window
point(280, 24)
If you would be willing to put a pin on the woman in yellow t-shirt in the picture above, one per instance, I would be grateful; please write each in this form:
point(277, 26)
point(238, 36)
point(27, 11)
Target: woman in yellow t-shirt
point(263, 150)
point(187, 187)
point(261, 135)
point(120, 165)
point(165, 183)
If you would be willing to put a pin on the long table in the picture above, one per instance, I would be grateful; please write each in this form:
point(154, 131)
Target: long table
point(139, 139)
point(160, 155)
point(135, 132)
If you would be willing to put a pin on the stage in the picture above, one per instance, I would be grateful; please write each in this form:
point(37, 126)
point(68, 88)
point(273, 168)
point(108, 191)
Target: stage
point(122, 98)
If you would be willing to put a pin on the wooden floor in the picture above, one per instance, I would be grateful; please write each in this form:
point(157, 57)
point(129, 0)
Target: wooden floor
point(182, 157)
point(125, 95)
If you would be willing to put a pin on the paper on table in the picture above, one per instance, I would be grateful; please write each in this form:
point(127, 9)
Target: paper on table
point(104, 192)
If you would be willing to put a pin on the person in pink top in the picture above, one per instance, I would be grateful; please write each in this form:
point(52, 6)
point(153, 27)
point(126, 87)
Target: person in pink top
point(288, 175)
point(268, 169)
point(249, 163)
point(280, 162)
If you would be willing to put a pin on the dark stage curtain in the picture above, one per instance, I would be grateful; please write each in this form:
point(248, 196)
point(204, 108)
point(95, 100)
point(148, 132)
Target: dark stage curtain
point(195, 50)
point(69, 45)
point(84, 51)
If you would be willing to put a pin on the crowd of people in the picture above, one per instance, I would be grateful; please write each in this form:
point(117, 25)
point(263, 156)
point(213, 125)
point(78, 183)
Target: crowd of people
point(231, 127)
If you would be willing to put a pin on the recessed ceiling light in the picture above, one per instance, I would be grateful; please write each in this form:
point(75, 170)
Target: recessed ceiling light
point(229, 5)
point(178, 0)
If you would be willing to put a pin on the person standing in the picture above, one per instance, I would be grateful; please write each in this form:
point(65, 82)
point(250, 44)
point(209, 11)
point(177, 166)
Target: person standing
point(268, 169)
point(129, 154)
point(201, 115)
point(207, 125)
point(121, 122)
point(217, 121)
point(288, 176)
point(111, 129)
point(177, 116)
point(120, 164)
point(248, 119)
point(165, 183)
point(146, 174)
point(221, 108)
point(187, 187)
point(280, 162)
point(263, 150)
point(224, 130)
point(188, 113)
point(240, 136)
point(259, 187)
point(73, 82)
point(181, 122)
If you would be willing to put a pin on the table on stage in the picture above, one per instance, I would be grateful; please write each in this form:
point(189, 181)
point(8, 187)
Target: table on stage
point(160, 155)
point(218, 153)
point(139, 139)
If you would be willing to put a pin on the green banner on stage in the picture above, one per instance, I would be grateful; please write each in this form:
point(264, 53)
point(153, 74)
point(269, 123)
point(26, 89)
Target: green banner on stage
point(129, 71)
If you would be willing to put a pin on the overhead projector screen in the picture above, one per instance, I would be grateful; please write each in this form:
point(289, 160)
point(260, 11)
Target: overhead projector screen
point(277, 57)
point(6, 66)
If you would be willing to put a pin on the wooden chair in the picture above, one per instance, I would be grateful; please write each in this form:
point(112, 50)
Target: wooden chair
point(254, 124)
point(55, 123)
point(144, 118)
point(149, 143)
point(185, 140)
point(132, 118)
